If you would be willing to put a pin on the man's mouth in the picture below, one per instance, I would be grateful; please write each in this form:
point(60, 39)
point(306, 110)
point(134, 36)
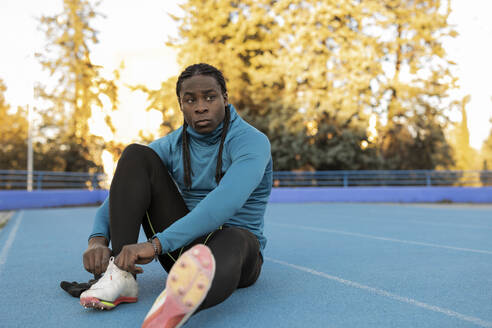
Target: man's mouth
point(202, 122)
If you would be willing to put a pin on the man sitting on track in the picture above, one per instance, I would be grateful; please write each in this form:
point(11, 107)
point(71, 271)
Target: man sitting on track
point(206, 183)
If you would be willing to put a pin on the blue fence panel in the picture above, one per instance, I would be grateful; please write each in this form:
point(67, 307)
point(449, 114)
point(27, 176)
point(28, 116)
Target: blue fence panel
point(382, 178)
point(13, 179)
point(17, 179)
point(18, 199)
point(69, 188)
point(388, 194)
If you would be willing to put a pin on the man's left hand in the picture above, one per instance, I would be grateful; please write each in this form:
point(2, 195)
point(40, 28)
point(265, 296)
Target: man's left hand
point(141, 253)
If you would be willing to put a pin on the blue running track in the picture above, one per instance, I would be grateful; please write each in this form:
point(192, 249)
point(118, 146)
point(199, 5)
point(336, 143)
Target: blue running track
point(326, 265)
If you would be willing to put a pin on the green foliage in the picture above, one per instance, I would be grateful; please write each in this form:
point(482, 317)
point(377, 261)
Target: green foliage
point(414, 93)
point(71, 156)
point(310, 74)
point(487, 153)
point(13, 134)
point(13, 145)
point(466, 158)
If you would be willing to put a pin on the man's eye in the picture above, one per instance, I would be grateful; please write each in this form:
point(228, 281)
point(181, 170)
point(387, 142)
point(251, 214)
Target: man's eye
point(189, 100)
point(210, 98)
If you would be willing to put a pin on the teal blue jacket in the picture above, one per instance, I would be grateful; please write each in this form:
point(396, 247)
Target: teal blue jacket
point(239, 199)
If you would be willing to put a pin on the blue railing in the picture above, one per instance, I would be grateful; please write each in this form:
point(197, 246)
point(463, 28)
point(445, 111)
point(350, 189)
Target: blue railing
point(14, 179)
point(17, 179)
point(381, 178)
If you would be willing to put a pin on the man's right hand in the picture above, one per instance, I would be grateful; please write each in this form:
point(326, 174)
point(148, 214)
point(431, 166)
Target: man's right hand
point(96, 256)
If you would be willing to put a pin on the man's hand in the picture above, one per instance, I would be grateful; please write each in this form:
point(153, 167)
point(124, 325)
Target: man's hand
point(96, 257)
point(141, 253)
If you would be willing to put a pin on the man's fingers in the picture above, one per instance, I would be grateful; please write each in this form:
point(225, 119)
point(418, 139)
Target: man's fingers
point(96, 259)
point(116, 260)
point(105, 260)
point(97, 262)
point(135, 269)
point(130, 262)
point(126, 260)
point(102, 259)
point(85, 260)
point(92, 263)
point(120, 260)
point(129, 256)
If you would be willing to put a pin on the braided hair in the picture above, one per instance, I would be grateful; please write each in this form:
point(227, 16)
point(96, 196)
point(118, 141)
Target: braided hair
point(209, 70)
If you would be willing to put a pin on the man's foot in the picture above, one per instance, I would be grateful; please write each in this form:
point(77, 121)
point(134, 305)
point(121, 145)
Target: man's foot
point(114, 287)
point(187, 285)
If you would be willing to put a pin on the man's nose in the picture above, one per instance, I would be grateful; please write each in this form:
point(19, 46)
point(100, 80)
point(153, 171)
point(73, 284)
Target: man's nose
point(202, 106)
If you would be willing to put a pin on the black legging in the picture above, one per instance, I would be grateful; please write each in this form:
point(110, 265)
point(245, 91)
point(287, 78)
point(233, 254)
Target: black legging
point(142, 185)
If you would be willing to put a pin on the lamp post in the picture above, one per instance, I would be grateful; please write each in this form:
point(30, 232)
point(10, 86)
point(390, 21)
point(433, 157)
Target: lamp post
point(29, 148)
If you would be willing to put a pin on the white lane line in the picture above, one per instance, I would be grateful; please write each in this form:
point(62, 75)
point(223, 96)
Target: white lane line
point(340, 232)
point(433, 223)
point(5, 250)
point(381, 292)
point(452, 225)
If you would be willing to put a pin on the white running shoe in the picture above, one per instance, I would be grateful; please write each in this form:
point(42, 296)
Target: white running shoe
point(114, 287)
point(186, 287)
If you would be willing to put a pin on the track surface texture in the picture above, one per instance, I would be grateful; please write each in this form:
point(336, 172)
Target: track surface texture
point(326, 265)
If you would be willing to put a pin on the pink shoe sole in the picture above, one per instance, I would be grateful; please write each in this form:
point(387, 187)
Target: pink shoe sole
point(187, 286)
point(95, 303)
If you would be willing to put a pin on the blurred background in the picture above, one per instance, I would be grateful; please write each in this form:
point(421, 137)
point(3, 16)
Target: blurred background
point(336, 85)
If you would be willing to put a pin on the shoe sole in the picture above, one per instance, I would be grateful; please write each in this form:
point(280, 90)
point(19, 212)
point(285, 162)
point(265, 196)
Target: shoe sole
point(95, 303)
point(187, 286)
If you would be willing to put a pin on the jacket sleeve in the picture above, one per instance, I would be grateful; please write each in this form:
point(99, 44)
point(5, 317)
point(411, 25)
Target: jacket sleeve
point(101, 221)
point(250, 154)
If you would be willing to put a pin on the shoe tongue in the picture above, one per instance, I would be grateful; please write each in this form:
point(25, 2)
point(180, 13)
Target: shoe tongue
point(111, 267)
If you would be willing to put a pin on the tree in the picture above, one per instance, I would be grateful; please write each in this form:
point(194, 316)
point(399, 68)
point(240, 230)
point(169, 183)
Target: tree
point(465, 156)
point(164, 99)
point(327, 63)
point(13, 134)
point(414, 88)
point(232, 34)
point(248, 42)
point(77, 89)
point(486, 152)
point(310, 74)
point(420, 143)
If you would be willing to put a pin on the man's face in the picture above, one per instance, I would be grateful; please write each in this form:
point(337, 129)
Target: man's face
point(202, 103)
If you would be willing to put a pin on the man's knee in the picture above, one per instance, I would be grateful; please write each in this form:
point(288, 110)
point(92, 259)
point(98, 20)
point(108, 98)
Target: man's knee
point(139, 152)
point(240, 236)
point(135, 150)
point(234, 245)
